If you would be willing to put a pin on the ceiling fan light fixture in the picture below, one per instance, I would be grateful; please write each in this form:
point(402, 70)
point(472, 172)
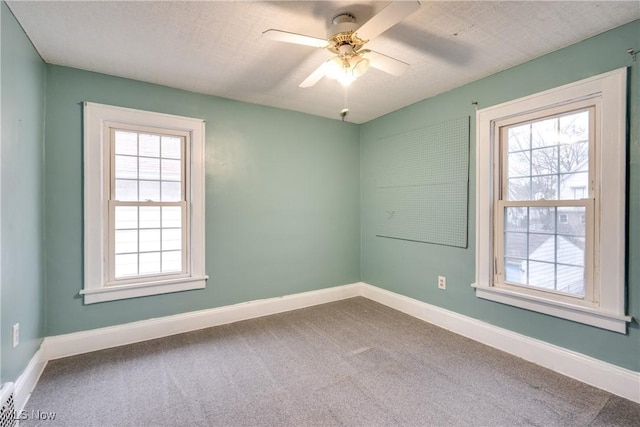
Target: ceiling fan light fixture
point(339, 69)
point(359, 65)
point(346, 69)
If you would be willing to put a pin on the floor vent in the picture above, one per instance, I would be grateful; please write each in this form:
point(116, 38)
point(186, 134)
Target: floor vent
point(8, 413)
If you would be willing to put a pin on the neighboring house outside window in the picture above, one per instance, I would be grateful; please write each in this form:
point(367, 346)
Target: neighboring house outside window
point(144, 203)
point(550, 212)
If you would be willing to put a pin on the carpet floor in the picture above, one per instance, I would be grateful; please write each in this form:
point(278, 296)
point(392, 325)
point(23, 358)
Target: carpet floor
point(348, 363)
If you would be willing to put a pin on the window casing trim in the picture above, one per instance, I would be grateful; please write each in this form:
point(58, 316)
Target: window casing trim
point(97, 286)
point(609, 270)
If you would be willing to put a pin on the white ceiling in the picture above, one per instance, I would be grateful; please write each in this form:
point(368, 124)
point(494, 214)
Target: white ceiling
point(216, 47)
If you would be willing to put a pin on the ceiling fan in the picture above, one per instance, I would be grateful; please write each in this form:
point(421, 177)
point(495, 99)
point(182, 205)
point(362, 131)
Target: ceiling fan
point(346, 39)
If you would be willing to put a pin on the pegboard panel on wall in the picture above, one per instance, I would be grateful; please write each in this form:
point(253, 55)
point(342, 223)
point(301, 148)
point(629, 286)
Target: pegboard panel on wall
point(423, 183)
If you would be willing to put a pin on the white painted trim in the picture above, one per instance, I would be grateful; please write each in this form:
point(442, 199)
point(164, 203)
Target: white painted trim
point(29, 378)
point(590, 316)
point(110, 293)
point(128, 333)
point(614, 379)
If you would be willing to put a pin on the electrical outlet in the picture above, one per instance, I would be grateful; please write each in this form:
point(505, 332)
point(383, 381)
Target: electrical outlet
point(442, 282)
point(15, 333)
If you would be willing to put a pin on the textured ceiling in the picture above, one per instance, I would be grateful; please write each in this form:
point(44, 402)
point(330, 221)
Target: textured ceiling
point(217, 48)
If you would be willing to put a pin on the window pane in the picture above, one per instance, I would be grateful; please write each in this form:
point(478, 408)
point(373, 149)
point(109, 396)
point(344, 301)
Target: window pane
point(574, 225)
point(573, 157)
point(150, 217)
point(126, 167)
point(541, 275)
point(126, 241)
point(571, 280)
point(171, 239)
point(126, 217)
point(171, 147)
point(515, 270)
point(545, 187)
point(126, 142)
point(171, 191)
point(149, 145)
point(171, 170)
point(149, 190)
point(126, 265)
point(542, 219)
point(126, 190)
point(171, 261)
point(149, 168)
point(171, 217)
point(542, 247)
point(571, 250)
point(149, 240)
point(544, 133)
point(150, 263)
point(516, 219)
point(519, 138)
point(518, 189)
point(515, 245)
point(544, 161)
point(574, 186)
point(574, 127)
point(519, 164)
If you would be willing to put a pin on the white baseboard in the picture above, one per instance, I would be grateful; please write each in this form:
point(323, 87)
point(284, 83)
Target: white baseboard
point(128, 333)
point(603, 375)
point(29, 378)
point(606, 376)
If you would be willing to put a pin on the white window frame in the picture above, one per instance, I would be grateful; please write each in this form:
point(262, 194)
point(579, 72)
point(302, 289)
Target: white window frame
point(607, 308)
point(99, 119)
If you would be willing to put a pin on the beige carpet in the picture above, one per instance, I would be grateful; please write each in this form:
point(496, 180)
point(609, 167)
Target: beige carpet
point(348, 363)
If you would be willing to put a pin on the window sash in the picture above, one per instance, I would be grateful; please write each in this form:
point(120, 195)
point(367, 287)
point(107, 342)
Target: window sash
point(111, 242)
point(590, 294)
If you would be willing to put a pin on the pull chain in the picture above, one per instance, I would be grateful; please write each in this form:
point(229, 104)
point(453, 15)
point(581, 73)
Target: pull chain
point(345, 110)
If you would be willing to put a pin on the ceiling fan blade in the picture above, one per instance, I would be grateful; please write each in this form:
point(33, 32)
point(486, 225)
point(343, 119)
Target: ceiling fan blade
point(315, 76)
point(287, 37)
point(386, 63)
point(393, 13)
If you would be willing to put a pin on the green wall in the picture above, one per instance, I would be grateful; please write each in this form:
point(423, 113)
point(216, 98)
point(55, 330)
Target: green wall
point(21, 207)
point(411, 268)
point(282, 200)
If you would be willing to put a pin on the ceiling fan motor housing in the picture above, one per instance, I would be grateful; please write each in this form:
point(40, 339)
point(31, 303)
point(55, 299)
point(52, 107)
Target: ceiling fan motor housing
point(342, 34)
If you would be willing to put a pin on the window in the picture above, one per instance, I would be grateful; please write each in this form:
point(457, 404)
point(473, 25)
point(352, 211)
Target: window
point(550, 209)
point(144, 203)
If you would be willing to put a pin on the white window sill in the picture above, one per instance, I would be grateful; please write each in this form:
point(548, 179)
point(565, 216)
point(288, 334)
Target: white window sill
point(135, 290)
point(587, 315)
